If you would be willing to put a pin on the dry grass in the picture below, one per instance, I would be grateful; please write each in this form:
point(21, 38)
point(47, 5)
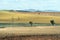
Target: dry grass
point(22, 17)
point(16, 31)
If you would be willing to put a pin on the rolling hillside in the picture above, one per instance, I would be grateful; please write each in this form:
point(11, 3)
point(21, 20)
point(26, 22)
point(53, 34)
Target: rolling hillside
point(23, 17)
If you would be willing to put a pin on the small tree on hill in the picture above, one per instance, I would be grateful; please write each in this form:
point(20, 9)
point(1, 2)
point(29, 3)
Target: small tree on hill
point(52, 22)
point(30, 22)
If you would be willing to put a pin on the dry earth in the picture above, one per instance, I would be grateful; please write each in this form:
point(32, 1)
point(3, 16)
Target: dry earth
point(13, 31)
point(27, 33)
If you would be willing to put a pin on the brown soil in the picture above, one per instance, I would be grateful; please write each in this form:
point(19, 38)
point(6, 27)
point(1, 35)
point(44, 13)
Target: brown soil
point(40, 37)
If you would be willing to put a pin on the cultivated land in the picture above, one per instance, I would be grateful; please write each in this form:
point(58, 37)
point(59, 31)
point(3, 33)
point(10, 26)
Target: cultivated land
point(25, 17)
point(8, 33)
point(18, 31)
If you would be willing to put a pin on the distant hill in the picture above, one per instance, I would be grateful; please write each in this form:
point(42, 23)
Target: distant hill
point(32, 10)
point(51, 11)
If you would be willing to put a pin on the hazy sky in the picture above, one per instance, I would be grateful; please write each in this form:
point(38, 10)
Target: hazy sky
point(30, 4)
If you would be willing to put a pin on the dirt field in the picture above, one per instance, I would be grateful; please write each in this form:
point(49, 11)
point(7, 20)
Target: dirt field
point(13, 31)
point(30, 33)
point(36, 37)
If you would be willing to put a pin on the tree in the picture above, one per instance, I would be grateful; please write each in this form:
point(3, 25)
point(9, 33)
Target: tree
point(52, 22)
point(30, 22)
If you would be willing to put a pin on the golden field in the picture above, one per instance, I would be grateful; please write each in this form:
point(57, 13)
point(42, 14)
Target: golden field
point(25, 17)
point(18, 31)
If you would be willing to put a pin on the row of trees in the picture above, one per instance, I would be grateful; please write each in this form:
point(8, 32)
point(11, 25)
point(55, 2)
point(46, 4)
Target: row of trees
point(31, 23)
point(51, 21)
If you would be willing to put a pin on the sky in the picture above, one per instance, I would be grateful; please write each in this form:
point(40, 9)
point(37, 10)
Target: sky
point(30, 4)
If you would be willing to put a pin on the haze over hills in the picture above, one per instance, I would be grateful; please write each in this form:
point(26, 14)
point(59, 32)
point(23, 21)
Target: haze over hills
point(33, 10)
point(51, 11)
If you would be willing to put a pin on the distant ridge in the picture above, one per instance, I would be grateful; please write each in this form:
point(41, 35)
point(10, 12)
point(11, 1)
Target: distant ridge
point(32, 10)
point(51, 11)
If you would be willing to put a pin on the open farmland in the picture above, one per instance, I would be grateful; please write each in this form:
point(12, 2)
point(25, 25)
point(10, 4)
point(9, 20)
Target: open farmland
point(30, 33)
point(39, 30)
point(25, 18)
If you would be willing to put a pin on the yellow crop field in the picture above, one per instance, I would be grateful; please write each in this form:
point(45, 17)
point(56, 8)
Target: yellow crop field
point(21, 17)
point(39, 30)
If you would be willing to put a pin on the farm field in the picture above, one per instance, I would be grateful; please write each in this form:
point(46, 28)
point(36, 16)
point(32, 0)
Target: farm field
point(15, 26)
point(21, 17)
point(30, 33)
point(39, 30)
